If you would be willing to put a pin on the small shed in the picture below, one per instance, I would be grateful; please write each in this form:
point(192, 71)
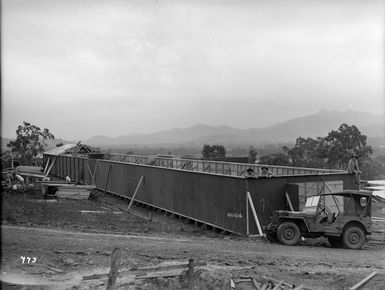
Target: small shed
point(79, 150)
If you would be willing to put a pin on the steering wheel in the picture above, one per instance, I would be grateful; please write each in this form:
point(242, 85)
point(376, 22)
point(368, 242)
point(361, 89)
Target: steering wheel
point(323, 209)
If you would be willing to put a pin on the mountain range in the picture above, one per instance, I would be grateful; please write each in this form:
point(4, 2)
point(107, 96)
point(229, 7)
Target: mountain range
point(313, 125)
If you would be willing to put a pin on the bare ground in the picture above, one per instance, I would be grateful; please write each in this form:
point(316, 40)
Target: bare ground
point(68, 246)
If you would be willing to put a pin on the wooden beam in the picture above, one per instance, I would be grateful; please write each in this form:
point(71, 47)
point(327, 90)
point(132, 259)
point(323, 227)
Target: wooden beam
point(278, 285)
point(49, 169)
point(92, 177)
point(247, 217)
point(256, 284)
point(255, 214)
point(114, 271)
point(135, 193)
point(46, 165)
point(289, 201)
point(363, 281)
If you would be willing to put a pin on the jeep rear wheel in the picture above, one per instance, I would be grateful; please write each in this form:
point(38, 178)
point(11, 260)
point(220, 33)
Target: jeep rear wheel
point(288, 233)
point(354, 237)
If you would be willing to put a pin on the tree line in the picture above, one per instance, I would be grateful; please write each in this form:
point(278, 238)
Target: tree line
point(332, 151)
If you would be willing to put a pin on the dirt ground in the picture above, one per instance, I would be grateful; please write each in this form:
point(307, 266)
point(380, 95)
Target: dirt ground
point(68, 246)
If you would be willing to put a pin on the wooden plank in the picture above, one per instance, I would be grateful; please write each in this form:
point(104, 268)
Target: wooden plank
point(70, 186)
point(114, 271)
point(255, 214)
point(171, 273)
point(49, 169)
point(46, 165)
point(277, 281)
point(363, 281)
point(247, 217)
point(289, 201)
point(100, 211)
point(256, 284)
point(135, 193)
point(278, 285)
point(232, 284)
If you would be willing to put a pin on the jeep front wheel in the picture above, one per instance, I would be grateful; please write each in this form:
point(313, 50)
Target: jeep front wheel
point(354, 237)
point(288, 233)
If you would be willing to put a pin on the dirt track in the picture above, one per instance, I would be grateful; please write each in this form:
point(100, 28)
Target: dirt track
point(69, 245)
point(86, 253)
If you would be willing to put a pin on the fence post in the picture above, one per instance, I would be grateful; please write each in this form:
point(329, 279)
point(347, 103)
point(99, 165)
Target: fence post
point(114, 271)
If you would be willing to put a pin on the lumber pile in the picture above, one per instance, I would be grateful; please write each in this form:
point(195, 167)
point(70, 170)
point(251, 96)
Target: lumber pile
point(72, 193)
point(264, 283)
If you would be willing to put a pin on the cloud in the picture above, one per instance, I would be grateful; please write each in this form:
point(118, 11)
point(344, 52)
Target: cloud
point(120, 62)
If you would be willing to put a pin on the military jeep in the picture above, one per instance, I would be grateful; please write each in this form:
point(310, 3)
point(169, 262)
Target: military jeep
point(343, 217)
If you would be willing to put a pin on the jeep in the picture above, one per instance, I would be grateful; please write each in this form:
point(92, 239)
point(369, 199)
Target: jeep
point(343, 217)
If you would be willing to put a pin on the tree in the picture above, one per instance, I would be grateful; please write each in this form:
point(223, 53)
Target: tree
point(332, 151)
point(30, 141)
point(275, 159)
point(305, 152)
point(213, 151)
point(339, 146)
point(59, 144)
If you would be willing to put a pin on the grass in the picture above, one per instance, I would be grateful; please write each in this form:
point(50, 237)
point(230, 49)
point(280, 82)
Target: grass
point(29, 210)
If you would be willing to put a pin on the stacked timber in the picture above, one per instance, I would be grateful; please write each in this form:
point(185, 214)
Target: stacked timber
point(72, 191)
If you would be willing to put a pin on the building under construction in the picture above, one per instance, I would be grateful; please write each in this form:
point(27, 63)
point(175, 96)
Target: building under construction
point(213, 193)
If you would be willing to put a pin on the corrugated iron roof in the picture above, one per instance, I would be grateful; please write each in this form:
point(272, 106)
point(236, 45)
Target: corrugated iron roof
point(73, 149)
point(60, 150)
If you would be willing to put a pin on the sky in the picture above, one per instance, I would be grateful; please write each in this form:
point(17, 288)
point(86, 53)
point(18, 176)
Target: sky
point(91, 67)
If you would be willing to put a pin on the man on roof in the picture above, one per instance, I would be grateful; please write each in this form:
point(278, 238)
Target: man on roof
point(353, 167)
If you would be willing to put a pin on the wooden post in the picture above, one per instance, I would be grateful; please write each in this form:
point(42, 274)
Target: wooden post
point(190, 274)
point(247, 217)
point(289, 201)
point(136, 191)
point(114, 271)
point(255, 214)
point(108, 177)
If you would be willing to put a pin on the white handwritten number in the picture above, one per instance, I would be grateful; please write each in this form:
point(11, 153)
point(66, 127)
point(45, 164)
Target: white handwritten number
point(28, 260)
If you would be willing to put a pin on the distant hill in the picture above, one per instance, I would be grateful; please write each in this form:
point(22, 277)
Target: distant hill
point(314, 125)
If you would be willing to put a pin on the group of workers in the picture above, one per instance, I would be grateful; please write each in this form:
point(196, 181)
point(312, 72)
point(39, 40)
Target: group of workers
point(265, 173)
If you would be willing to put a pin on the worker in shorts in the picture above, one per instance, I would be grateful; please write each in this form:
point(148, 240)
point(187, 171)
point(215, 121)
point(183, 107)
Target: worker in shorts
point(353, 168)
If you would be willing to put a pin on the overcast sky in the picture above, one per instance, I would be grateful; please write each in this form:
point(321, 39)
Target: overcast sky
point(82, 68)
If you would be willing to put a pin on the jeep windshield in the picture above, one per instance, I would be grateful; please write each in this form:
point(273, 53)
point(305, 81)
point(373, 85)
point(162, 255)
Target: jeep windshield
point(311, 204)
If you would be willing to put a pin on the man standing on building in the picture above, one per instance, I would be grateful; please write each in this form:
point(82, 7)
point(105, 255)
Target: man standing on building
point(353, 168)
